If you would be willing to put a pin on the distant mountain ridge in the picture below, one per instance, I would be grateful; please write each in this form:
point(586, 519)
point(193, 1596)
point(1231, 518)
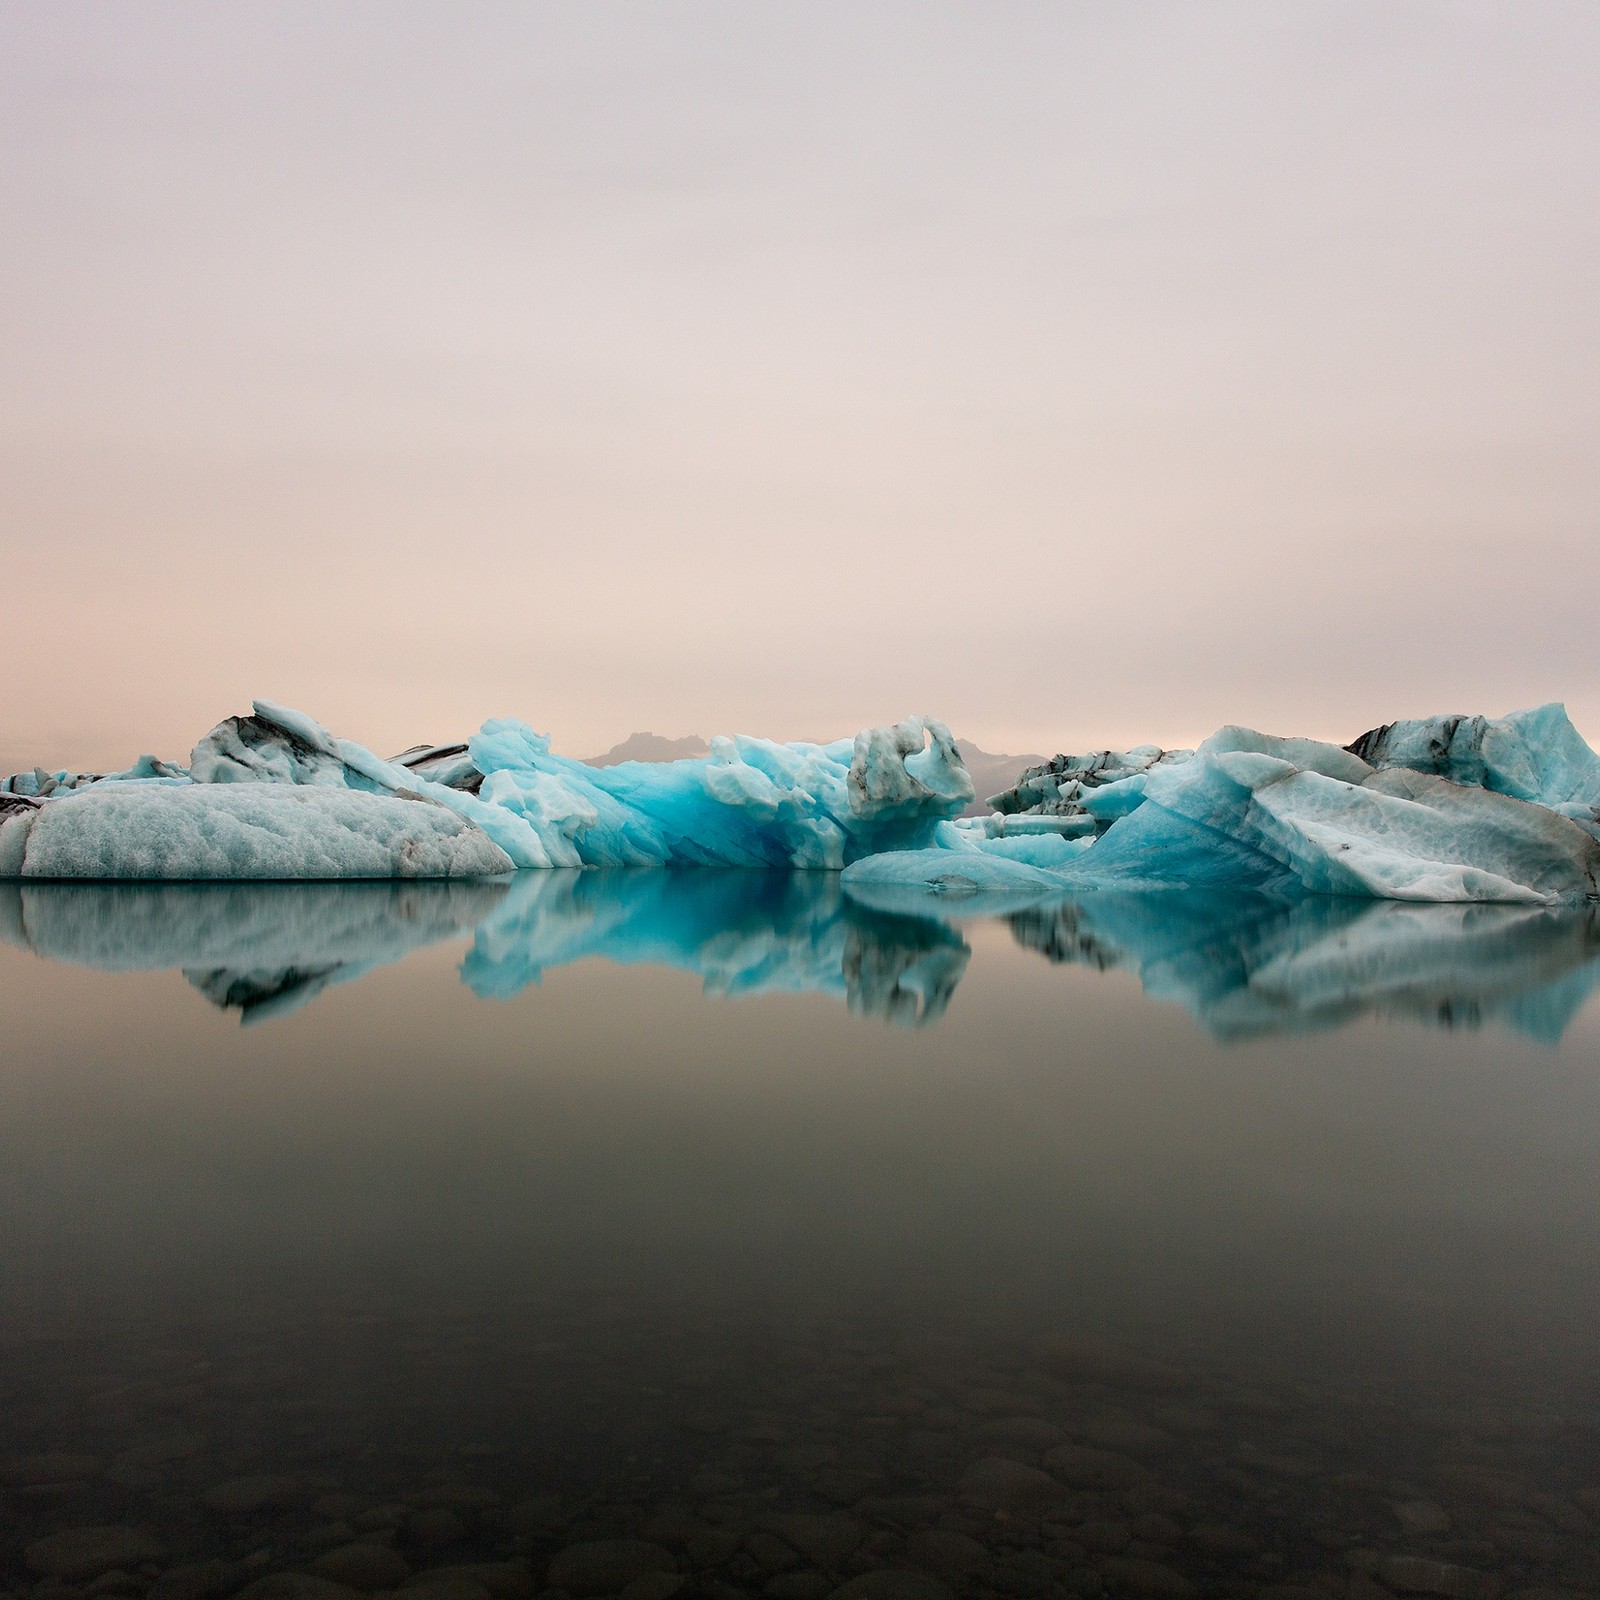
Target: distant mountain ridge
point(651, 747)
point(990, 772)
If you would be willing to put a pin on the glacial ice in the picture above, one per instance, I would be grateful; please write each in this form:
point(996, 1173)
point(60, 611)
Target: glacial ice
point(133, 830)
point(1451, 809)
point(751, 802)
point(1251, 811)
point(1532, 755)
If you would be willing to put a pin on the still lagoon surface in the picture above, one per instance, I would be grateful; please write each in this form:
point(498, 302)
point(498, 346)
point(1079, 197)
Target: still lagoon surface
point(718, 1235)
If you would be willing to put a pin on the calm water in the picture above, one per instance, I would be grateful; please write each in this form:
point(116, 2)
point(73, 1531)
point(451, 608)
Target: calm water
point(1129, 1247)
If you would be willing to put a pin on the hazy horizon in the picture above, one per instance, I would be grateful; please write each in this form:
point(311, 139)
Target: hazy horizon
point(1082, 376)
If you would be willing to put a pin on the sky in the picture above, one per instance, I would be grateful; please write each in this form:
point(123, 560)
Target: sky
point(1080, 374)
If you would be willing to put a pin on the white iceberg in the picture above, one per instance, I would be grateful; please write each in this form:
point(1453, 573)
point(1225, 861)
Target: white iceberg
point(200, 831)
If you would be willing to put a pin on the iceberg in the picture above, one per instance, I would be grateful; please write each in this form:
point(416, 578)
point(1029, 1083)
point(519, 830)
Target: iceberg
point(1256, 812)
point(132, 830)
point(1452, 809)
point(1098, 787)
point(1532, 755)
point(276, 795)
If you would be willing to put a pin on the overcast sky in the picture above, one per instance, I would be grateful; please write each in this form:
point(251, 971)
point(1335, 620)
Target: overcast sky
point(1082, 374)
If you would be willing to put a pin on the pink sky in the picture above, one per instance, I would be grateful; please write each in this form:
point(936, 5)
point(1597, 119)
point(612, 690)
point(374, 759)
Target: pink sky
point(1081, 374)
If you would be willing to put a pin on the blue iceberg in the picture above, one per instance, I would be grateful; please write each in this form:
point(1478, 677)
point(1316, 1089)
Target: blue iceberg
point(1504, 811)
point(1453, 809)
point(275, 795)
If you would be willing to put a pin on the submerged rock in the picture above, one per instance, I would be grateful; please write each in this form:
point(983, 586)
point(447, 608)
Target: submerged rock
point(79, 1554)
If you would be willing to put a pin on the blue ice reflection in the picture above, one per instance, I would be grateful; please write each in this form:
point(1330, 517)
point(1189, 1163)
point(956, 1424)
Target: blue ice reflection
point(1244, 966)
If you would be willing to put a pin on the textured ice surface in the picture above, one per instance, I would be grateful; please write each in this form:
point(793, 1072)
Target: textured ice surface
point(133, 830)
point(1105, 784)
point(1250, 811)
point(751, 802)
point(1532, 755)
point(1451, 809)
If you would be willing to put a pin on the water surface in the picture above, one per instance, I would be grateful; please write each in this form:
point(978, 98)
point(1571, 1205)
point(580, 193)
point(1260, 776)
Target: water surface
point(1109, 1246)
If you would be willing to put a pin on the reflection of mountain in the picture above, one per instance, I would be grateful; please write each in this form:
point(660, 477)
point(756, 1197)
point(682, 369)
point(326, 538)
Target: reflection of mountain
point(743, 932)
point(261, 948)
point(1251, 965)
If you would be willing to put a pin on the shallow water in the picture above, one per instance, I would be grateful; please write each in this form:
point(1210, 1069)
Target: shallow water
point(1126, 1246)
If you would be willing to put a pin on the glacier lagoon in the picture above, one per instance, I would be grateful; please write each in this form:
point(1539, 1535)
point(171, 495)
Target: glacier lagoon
point(586, 1232)
point(745, 1178)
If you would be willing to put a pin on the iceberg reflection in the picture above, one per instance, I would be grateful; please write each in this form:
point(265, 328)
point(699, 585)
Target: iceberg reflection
point(1246, 966)
point(742, 932)
point(263, 949)
point(1243, 965)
